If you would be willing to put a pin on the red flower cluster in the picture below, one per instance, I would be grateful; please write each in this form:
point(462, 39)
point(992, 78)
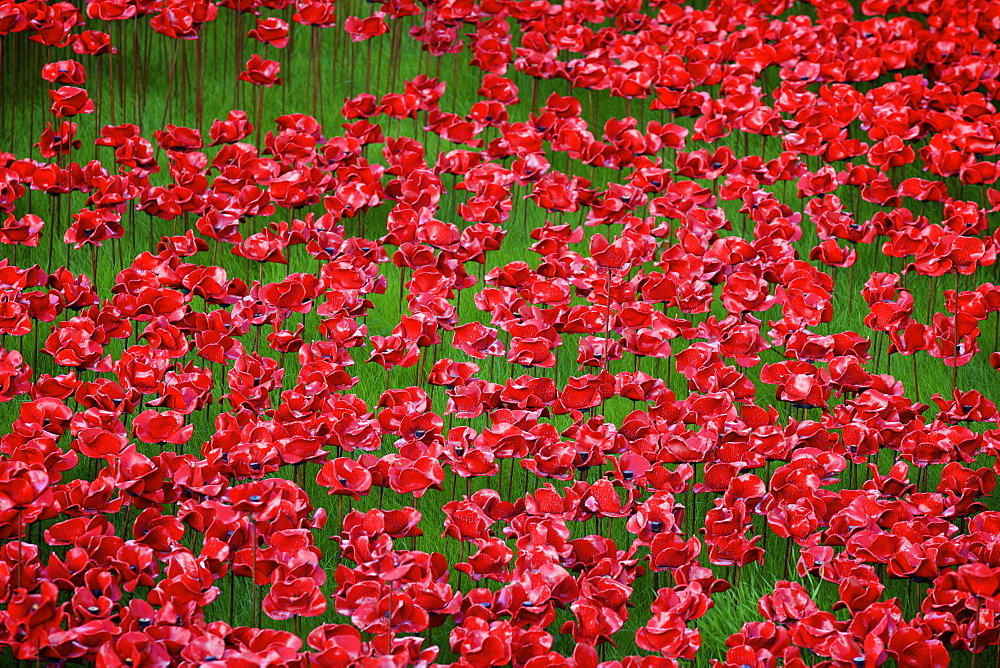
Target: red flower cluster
point(160, 448)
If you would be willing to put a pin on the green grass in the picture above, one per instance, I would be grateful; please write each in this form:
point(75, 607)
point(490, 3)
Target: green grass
point(150, 100)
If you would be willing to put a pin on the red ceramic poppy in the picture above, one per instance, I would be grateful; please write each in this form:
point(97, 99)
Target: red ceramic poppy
point(65, 72)
point(24, 231)
point(272, 31)
point(93, 42)
point(166, 427)
point(361, 29)
point(70, 101)
point(345, 476)
point(261, 72)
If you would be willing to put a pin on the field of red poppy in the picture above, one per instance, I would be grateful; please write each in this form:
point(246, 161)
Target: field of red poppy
point(499, 333)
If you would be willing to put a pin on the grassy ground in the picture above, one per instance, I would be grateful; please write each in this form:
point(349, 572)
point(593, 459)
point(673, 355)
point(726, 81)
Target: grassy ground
point(317, 81)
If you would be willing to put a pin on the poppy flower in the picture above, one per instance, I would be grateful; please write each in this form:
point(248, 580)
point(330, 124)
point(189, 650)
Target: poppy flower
point(448, 373)
point(476, 340)
point(966, 406)
point(912, 646)
point(261, 72)
point(65, 72)
point(294, 597)
point(166, 427)
point(496, 87)
point(315, 13)
point(668, 634)
point(415, 477)
point(292, 294)
point(263, 246)
point(24, 231)
point(70, 100)
point(94, 227)
point(584, 392)
point(485, 643)
point(116, 136)
point(615, 255)
point(33, 617)
point(177, 138)
point(92, 42)
point(15, 375)
point(251, 380)
point(231, 130)
point(890, 153)
point(361, 29)
point(270, 30)
point(77, 343)
point(61, 141)
point(345, 476)
point(394, 350)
